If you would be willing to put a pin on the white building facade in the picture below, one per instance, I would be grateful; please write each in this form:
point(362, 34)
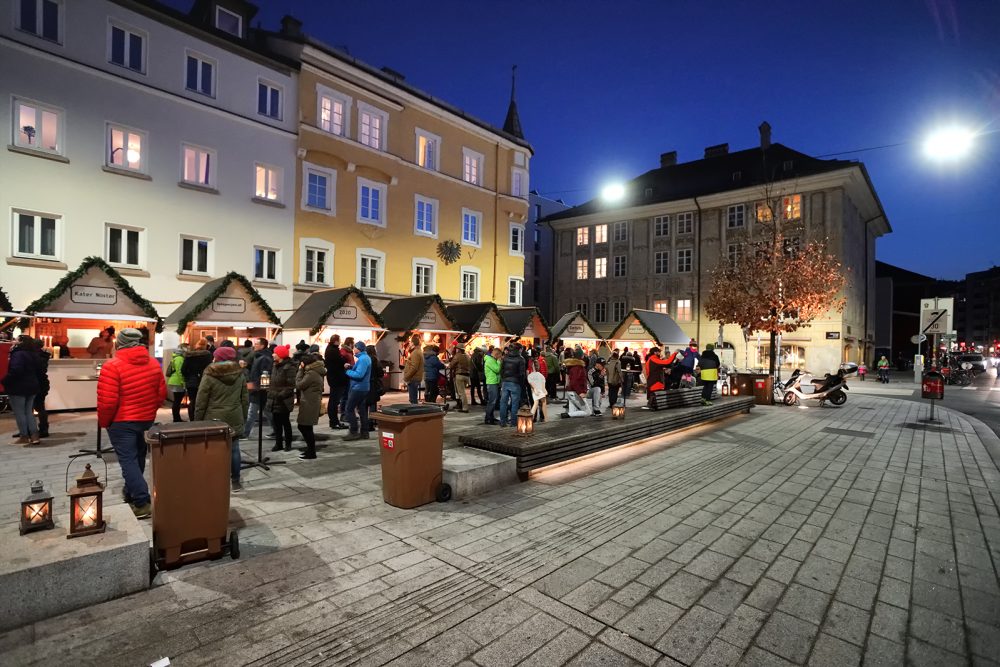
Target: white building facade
point(163, 142)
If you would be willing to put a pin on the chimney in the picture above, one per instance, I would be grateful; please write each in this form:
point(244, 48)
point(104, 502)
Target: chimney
point(668, 159)
point(717, 150)
point(291, 27)
point(765, 135)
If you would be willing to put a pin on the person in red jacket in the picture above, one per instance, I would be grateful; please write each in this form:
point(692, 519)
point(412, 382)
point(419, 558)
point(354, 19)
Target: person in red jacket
point(130, 390)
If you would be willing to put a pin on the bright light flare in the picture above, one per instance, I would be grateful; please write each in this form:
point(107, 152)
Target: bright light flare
point(613, 192)
point(949, 144)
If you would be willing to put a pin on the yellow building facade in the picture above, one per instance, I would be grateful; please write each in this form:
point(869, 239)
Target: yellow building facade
point(390, 179)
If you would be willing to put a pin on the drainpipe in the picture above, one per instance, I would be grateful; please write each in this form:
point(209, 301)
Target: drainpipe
point(697, 325)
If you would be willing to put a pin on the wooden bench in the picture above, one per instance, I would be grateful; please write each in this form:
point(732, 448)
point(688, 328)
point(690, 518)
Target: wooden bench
point(676, 398)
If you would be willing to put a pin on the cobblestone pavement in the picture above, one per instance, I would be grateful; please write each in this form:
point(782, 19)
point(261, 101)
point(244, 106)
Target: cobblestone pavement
point(819, 536)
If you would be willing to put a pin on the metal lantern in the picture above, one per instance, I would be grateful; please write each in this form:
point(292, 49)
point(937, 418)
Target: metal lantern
point(36, 510)
point(725, 388)
point(618, 410)
point(265, 380)
point(525, 421)
point(86, 505)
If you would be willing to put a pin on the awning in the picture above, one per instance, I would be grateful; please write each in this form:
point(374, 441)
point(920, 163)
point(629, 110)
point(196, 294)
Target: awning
point(94, 316)
point(9, 313)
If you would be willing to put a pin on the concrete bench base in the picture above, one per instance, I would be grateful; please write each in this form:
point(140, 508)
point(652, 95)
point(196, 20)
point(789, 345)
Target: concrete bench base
point(474, 472)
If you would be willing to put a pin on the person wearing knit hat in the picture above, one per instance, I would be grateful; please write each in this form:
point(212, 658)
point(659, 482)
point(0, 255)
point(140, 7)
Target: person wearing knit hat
point(128, 338)
point(281, 397)
point(708, 378)
point(223, 395)
point(224, 354)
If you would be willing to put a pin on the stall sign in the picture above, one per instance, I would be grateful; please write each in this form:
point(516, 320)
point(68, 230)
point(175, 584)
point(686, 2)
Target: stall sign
point(529, 332)
point(346, 313)
point(104, 296)
point(574, 329)
point(429, 317)
point(388, 440)
point(226, 304)
point(636, 329)
point(487, 323)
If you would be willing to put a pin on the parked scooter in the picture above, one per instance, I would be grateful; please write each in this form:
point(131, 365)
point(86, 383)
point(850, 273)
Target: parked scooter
point(801, 387)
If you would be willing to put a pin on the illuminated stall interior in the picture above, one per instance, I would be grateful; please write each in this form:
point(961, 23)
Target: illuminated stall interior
point(343, 311)
point(481, 325)
point(425, 316)
point(228, 308)
point(528, 324)
point(645, 329)
point(574, 329)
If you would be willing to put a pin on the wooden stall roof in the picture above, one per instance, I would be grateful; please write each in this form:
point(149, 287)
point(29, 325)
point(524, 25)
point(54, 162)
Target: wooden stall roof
point(651, 325)
point(206, 295)
point(321, 305)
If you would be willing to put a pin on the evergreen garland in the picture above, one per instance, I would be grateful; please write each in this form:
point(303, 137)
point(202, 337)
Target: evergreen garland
point(5, 301)
point(487, 307)
point(41, 303)
point(340, 302)
point(206, 303)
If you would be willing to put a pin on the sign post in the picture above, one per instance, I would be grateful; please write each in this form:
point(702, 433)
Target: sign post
point(935, 320)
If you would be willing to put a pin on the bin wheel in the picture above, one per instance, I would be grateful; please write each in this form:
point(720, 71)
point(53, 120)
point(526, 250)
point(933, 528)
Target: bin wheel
point(791, 399)
point(152, 564)
point(234, 545)
point(444, 493)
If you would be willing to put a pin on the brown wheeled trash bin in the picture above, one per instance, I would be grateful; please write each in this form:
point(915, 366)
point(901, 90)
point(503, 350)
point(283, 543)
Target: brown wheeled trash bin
point(411, 439)
point(763, 390)
point(191, 462)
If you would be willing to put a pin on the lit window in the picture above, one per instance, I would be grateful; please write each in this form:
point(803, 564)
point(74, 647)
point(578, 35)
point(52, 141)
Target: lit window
point(685, 223)
point(764, 212)
point(428, 149)
point(583, 236)
point(683, 310)
point(733, 253)
point(37, 127)
point(265, 263)
point(36, 235)
point(791, 207)
point(600, 233)
point(618, 313)
point(470, 285)
point(199, 166)
point(268, 100)
point(371, 202)
point(372, 124)
point(41, 18)
point(661, 225)
point(333, 111)
point(125, 149)
point(472, 166)
point(601, 267)
point(200, 75)
point(423, 278)
point(516, 239)
point(319, 189)
point(620, 266)
point(621, 231)
point(684, 260)
point(661, 262)
point(425, 216)
point(128, 48)
point(735, 216)
point(267, 182)
point(515, 291)
point(369, 272)
point(316, 260)
point(194, 254)
point(582, 267)
point(471, 223)
point(600, 312)
point(227, 21)
point(661, 307)
point(122, 245)
point(518, 182)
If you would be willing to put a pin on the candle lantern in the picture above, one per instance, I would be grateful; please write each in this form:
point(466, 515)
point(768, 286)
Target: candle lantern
point(265, 380)
point(725, 388)
point(86, 504)
point(525, 421)
point(618, 410)
point(36, 510)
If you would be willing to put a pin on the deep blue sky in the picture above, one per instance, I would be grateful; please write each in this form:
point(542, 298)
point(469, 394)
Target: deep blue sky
point(605, 87)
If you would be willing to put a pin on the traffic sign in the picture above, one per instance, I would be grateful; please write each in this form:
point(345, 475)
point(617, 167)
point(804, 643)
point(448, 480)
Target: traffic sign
point(918, 339)
point(936, 315)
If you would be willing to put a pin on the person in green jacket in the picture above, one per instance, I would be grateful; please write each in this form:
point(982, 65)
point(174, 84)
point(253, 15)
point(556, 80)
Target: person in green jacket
point(175, 379)
point(223, 395)
point(491, 365)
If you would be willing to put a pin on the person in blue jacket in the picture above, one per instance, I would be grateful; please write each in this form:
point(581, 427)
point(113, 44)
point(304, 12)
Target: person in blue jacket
point(357, 393)
point(432, 373)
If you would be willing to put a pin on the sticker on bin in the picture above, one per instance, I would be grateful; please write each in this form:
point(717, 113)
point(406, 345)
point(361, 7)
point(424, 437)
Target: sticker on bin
point(388, 440)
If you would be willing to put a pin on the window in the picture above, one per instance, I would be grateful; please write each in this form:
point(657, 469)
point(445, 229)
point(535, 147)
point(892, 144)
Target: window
point(518, 182)
point(428, 149)
point(228, 21)
point(194, 254)
point(601, 267)
point(537, 235)
point(791, 207)
point(684, 260)
point(661, 307)
point(37, 127)
point(265, 263)
point(582, 266)
point(267, 182)
point(618, 311)
point(661, 262)
point(685, 223)
point(199, 166)
point(122, 245)
point(36, 235)
point(316, 261)
point(41, 18)
point(733, 253)
point(519, 158)
point(764, 212)
point(125, 149)
point(371, 202)
point(425, 219)
point(600, 234)
point(470, 284)
point(319, 188)
point(516, 239)
point(472, 166)
point(423, 277)
point(515, 291)
point(128, 48)
point(600, 312)
point(621, 231)
point(471, 224)
point(583, 236)
point(268, 100)
point(661, 225)
point(370, 271)
point(200, 75)
point(582, 307)
point(683, 310)
point(372, 124)
point(620, 266)
point(333, 111)
point(735, 216)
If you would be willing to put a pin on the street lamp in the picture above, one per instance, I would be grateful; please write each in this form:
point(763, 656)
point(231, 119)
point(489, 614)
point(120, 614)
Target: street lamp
point(613, 192)
point(949, 144)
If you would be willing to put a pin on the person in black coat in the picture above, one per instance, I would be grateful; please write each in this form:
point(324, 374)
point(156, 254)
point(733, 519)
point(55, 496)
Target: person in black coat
point(21, 385)
point(43, 390)
point(336, 377)
point(196, 360)
point(375, 386)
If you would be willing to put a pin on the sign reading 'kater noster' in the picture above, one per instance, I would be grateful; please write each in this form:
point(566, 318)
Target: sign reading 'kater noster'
point(103, 296)
point(229, 304)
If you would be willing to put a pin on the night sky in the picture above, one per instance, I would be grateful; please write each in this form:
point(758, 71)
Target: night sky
point(604, 87)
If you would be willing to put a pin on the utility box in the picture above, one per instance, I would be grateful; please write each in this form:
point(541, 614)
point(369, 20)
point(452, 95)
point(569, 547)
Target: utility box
point(411, 441)
point(932, 386)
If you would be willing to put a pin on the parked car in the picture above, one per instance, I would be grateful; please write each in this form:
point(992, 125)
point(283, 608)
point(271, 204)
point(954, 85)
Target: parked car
point(978, 361)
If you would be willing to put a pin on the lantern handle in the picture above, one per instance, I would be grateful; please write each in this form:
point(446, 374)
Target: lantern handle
point(76, 456)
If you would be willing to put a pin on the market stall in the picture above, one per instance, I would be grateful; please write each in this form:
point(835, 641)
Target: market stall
point(425, 316)
point(344, 311)
point(528, 324)
point(574, 329)
point(645, 329)
point(481, 325)
point(72, 316)
point(228, 308)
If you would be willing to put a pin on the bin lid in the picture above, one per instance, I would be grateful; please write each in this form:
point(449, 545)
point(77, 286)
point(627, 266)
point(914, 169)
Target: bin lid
point(404, 409)
point(180, 430)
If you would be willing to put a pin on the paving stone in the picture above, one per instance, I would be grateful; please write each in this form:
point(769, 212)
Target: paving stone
point(787, 637)
point(881, 652)
point(783, 570)
point(569, 577)
point(709, 564)
point(758, 657)
point(836, 551)
point(984, 639)
point(856, 592)
point(609, 553)
point(890, 622)
point(445, 649)
point(847, 622)
point(558, 651)
point(923, 654)
point(686, 552)
point(650, 620)
point(601, 654)
point(731, 545)
point(765, 595)
point(804, 603)
point(636, 650)
point(622, 572)
point(742, 625)
point(610, 612)
point(943, 631)
point(654, 551)
point(797, 549)
point(518, 643)
point(563, 612)
point(658, 573)
point(765, 551)
point(941, 599)
point(683, 589)
point(497, 620)
point(894, 592)
point(631, 594)
point(830, 650)
point(719, 654)
point(982, 607)
point(746, 570)
point(820, 573)
point(588, 595)
point(689, 636)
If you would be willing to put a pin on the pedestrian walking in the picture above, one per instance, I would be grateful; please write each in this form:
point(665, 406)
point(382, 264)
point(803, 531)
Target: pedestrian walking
point(309, 383)
point(336, 378)
point(413, 369)
point(477, 377)
point(491, 371)
point(196, 360)
point(281, 397)
point(262, 363)
point(130, 389)
point(376, 386)
point(551, 371)
point(223, 395)
point(615, 378)
point(461, 367)
point(21, 385)
point(862, 371)
point(175, 381)
point(512, 373)
point(357, 394)
point(630, 371)
point(539, 391)
point(41, 413)
point(432, 374)
point(709, 377)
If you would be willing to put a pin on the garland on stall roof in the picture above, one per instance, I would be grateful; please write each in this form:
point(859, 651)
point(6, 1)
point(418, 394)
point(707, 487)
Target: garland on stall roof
point(5, 301)
point(415, 324)
point(41, 303)
point(467, 336)
point(541, 318)
point(340, 302)
point(206, 303)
